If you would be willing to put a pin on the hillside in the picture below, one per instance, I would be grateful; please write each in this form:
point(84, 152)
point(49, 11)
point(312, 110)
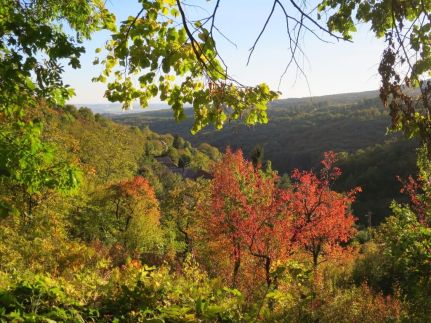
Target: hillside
point(300, 130)
point(120, 244)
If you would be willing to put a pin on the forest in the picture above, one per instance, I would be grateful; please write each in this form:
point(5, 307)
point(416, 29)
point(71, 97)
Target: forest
point(136, 241)
point(134, 220)
point(299, 131)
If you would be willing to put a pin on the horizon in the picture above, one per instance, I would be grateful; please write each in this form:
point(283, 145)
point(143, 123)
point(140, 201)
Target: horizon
point(153, 104)
point(114, 108)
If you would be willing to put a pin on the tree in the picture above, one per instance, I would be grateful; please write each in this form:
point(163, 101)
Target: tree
point(181, 213)
point(155, 51)
point(257, 155)
point(212, 152)
point(179, 142)
point(406, 62)
point(321, 216)
point(33, 41)
point(184, 161)
point(248, 215)
point(398, 261)
point(32, 45)
point(134, 209)
point(31, 167)
point(405, 238)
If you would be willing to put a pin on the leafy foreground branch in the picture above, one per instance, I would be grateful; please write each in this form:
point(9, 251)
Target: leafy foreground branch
point(150, 57)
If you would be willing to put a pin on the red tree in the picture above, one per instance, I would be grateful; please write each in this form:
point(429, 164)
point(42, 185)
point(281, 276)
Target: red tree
point(321, 217)
point(252, 218)
point(248, 213)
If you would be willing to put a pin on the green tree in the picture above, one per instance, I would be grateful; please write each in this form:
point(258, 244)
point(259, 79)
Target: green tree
point(33, 44)
point(184, 161)
point(29, 166)
point(398, 261)
point(181, 213)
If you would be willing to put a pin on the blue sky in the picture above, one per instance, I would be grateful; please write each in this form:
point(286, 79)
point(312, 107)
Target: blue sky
point(331, 68)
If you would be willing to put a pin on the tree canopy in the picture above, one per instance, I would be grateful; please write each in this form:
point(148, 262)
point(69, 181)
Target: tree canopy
point(33, 45)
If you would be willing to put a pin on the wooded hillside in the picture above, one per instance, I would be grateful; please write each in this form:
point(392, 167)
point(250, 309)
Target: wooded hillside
point(301, 130)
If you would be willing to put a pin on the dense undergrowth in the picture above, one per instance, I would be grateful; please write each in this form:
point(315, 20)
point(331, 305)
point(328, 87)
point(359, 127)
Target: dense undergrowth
point(160, 231)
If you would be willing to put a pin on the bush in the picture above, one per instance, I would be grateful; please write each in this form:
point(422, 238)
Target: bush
point(41, 300)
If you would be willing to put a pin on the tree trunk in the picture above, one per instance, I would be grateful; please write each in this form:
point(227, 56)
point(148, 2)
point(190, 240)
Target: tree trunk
point(236, 266)
point(237, 263)
point(267, 272)
point(315, 259)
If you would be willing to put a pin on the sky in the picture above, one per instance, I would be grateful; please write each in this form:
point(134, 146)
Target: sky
point(329, 68)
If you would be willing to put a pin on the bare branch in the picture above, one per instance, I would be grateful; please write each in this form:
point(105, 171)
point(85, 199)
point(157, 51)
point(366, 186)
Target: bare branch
point(314, 22)
point(198, 50)
point(225, 37)
point(300, 22)
point(262, 31)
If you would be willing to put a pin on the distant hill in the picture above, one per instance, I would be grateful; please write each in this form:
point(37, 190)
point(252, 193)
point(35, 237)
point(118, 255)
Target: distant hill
point(340, 98)
point(301, 129)
point(116, 108)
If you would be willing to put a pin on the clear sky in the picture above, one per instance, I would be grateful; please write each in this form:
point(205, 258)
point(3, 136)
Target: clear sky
point(331, 68)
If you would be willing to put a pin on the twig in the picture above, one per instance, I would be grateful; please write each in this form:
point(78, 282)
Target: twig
point(261, 31)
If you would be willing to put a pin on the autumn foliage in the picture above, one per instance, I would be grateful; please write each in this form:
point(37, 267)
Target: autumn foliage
point(322, 218)
point(248, 216)
point(137, 214)
point(418, 199)
point(260, 224)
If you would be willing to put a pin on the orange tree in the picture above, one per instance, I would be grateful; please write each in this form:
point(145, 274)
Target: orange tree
point(136, 215)
point(248, 217)
point(321, 217)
